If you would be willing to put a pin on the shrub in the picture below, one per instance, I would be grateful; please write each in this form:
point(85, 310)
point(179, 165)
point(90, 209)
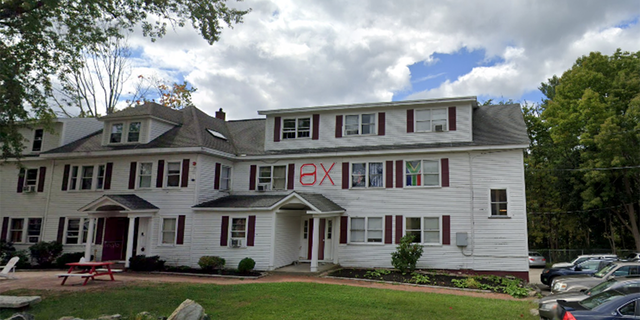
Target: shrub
point(45, 253)
point(68, 257)
point(144, 263)
point(7, 250)
point(246, 265)
point(407, 254)
point(210, 263)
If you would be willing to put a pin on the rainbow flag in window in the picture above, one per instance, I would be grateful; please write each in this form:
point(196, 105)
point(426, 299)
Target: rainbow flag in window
point(414, 173)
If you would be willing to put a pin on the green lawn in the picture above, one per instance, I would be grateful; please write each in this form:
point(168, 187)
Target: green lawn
point(273, 301)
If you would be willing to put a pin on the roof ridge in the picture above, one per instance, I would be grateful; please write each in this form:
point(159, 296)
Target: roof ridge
point(197, 125)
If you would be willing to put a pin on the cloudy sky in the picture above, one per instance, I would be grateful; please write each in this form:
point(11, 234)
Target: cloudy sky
point(300, 53)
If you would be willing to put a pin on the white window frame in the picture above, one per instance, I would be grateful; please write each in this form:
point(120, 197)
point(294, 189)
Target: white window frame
point(374, 124)
point(162, 231)
point(27, 181)
point(77, 178)
point(126, 129)
point(271, 177)
point(82, 234)
point(129, 131)
point(166, 174)
point(366, 230)
point(39, 236)
point(491, 203)
point(430, 120)
point(230, 236)
point(367, 175)
point(112, 132)
point(296, 129)
point(224, 179)
point(37, 139)
point(422, 173)
point(139, 175)
point(422, 229)
point(97, 185)
point(11, 230)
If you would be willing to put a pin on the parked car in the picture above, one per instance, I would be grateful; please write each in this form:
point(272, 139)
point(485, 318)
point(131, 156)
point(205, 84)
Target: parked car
point(585, 268)
point(583, 258)
point(632, 257)
point(608, 305)
point(615, 269)
point(536, 259)
point(548, 306)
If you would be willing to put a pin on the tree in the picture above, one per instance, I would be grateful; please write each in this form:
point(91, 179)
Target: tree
point(175, 96)
point(38, 38)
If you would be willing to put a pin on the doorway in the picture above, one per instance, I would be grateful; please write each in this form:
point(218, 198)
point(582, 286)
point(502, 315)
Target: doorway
point(325, 240)
point(115, 239)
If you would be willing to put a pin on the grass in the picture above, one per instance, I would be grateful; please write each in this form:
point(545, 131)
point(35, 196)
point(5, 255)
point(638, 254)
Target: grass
point(272, 301)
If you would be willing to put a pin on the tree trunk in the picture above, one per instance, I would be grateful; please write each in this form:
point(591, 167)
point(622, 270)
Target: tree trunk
point(631, 212)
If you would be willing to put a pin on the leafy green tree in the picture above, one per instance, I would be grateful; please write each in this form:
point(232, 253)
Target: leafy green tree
point(39, 37)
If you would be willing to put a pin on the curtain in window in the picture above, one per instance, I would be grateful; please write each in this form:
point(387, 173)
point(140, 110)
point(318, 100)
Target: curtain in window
point(375, 174)
point(358, 172)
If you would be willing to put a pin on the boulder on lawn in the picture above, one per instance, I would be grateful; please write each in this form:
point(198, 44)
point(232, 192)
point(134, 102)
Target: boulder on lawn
point(188, 310)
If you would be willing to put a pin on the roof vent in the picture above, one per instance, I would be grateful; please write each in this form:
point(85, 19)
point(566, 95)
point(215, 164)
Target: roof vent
point(217, 134)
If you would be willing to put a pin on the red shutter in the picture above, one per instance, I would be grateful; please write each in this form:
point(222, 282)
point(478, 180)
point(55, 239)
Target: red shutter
point(444, 162)
point(132, 175)
point(185, 173)
point(160, 175)
point(216, 179)
point(381, 123)
point(344, 224)
point(42, 174)
point(338, 126)
point(399, 167)
point(316, 127)
point(291, 176)
point(276, 129)
point(252, 177)
point(5, 228)
point(224, 231)
point(409, 120)
point(99, 230)
point(20, 180)
point(251, 231)
point(446, 230)
point(388, 174)
point(310, 240)
point(323, 223)
point(345, 175)
point(60, 229)
point(65, 177)
point(107, 175)
point(180, 238)
point(388, 229)
point(398, 229)
point(452, 118)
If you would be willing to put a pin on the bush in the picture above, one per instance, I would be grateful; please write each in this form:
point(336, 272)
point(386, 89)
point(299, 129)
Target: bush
point(210, 263)
point(25, 260)
point(246, 265)
point(7, 251)
point(45, 253)
point(144, 263)
point(407, 255)
point(62, 261)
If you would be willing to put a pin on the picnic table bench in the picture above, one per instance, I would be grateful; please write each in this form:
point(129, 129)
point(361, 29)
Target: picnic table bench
point(88, 271)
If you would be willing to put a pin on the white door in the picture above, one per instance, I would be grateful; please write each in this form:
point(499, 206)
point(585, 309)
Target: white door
point(328, 240)
point(304, 239)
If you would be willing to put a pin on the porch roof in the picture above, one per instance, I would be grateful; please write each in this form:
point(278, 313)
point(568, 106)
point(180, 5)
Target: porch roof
point(317, 202)
point(130, 202)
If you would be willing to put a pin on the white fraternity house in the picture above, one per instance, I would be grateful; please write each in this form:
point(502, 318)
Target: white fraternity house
point(332, 184)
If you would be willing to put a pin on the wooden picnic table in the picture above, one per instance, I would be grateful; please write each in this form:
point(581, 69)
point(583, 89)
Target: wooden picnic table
point(88, 270)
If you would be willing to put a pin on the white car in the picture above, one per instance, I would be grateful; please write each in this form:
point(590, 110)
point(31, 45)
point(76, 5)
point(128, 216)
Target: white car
point(583, 258)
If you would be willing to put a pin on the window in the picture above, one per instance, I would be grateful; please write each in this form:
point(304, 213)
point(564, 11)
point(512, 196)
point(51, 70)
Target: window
point(296, 128)
point(116, 133)
point(73, 180)
point(498, 202)
point(34, 228)
point(86, 180)
point(144, 175)
point(225, 178)
point(87, 177)
point(16, 230)
point(366, 230)
point(628, 309)
point(305, 229)
point(73, 231)
point(173, 174)
point(424, 229)
point(360, 124)
point(272, 178)
point(428, 120)
point(366, 175)
point(31, 177)
point(134, 132)
point(422, 173)
point(37, 140)
point(100, 177)
point(238, 228)
point(169, 230)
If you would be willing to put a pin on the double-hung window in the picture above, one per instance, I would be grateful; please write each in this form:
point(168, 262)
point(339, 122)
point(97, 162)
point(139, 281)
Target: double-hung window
point(296, 128)
point(89, 177)
point(34, 230)
point(19, 232)
point(134, 131)
point(37, 140)
point(360, 124)
point(31, 177)
point(238, 232)
point(144, 175)
point(225, 178)
point(73, 235)
point(173, 174)
point(425, 230)
point(125, 132)
point(116, 133)
point(100, 177)
point(499, 202)
point(16, 230)
point(366, 230)
point(422, 173)
point(86, 180)
point(434, 119)
point(272, 178)
point(169, 231)
point(366, 175)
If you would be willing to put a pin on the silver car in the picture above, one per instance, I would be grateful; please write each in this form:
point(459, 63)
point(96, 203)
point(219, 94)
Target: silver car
point(583, 258)
point(577, 283)
point(536, 260)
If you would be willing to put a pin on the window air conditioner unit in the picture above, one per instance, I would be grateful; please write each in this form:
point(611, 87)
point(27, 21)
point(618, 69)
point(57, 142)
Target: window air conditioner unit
point(439, 128)
point(236, 243)
point(29, 189)
point(264, 186)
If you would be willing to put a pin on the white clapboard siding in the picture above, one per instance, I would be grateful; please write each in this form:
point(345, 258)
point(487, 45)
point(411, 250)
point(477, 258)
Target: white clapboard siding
point(157, 128)
point(287, 238)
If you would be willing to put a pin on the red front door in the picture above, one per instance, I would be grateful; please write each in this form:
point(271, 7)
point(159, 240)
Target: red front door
point(115, 239)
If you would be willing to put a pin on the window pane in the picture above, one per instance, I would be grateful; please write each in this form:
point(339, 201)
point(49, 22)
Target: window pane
point(116, 133)
point(238, 227)
point(439, 114)
point(374, 224)
point(358, 174)
point(168, 231)
point(498, 195)
point(413, 169)
point(304, 127)
point(357, 223)
point(17, 226)
point(413, 223)
point(264, 175)
point(431, 180)
point(431, 237)
point(145, 175)
point(33, 230)
point(375, 174)
point(368, 123)
point(430, 166)
point(288, 128)
point(352, 124)
point(431, 223)
point(416, 236)
point(357, 229)
point(374, 236)
point(100, 178)
point(422, 115)
point(357, 236)
point(279, 174)
point(73, 231)
point(31, 177)
point(173, 174)
point(134, 132)
point(87, 178)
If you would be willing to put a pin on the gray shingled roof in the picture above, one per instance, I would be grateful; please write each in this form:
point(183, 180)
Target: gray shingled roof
point(131, 201)
point(147, 109)
point(320, 202)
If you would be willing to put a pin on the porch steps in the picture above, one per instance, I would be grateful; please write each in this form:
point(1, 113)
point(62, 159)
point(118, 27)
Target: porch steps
point(304, 269)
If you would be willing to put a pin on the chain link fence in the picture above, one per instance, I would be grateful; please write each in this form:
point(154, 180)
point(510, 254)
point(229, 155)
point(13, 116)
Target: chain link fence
point(566, 255)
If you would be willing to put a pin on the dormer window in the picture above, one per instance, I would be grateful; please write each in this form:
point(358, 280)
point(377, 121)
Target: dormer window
point(360, 124)
point(431, 120)
point(125, 132)
point(116, 133)
point(134, 131)
point(296, 128)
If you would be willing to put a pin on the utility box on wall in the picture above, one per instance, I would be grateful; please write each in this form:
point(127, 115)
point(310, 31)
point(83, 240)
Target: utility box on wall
point(461, 239)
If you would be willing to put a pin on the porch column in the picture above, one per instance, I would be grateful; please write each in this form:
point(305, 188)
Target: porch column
point(132, 223)
point(315, 244)
point(87, 247)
